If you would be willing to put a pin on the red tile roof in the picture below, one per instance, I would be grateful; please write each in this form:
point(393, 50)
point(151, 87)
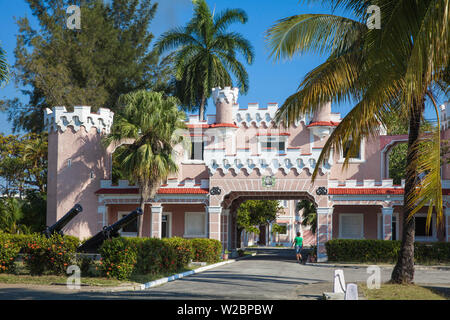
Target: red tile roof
point(274, 134)
point(337, 191)
point(323, 123)
point(160, 191)
point(371, 191)
point(214, 125)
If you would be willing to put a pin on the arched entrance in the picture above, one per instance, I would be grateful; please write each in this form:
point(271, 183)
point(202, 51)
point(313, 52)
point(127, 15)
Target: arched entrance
point(228, 190)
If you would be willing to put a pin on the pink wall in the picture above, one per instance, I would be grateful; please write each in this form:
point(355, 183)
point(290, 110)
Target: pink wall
point(370, 219)
point(71, 185)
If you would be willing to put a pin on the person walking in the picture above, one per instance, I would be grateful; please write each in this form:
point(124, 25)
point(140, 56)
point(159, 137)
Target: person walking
point(298, 243)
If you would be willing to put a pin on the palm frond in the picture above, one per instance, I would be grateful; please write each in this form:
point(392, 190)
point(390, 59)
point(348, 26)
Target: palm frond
point(317, 33)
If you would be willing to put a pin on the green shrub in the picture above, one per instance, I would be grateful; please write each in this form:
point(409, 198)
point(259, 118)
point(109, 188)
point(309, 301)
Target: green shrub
point(206, 250)
point(118, 258)
point(183, 250)
point(156, 256)
point(53, 255)
point(8, 254)
point(344, 250)
point(432, 252)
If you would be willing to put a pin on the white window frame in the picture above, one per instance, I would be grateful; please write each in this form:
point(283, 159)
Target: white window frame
point(187, 153)
point(272, 139)
point(433, 236)
point(362, 158)
point(352, 215)
point(169, 222)
point(186, 214)
point(120, 215)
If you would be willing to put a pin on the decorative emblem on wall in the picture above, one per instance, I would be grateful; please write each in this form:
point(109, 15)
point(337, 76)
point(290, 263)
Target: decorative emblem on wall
point(268, 181)
point(215, 191)
point(321, 191)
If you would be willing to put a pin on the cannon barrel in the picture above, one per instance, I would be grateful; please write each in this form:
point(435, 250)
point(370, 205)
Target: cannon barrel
point(93, 244)
point(61, 223)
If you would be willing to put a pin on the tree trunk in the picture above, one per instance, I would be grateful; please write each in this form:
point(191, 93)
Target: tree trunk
point(202, 108)
point(238, 237)
point(404, 269)
point(141, 217)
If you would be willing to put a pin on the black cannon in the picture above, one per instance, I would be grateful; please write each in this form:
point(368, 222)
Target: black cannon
point(93, 244)
point(61, 223)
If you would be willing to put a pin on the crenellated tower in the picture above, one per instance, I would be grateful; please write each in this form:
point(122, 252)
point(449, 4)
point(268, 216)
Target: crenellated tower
point(77, 162)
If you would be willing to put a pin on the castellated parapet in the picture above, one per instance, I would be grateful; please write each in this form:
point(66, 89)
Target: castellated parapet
point(228, 95)
point(60, 118)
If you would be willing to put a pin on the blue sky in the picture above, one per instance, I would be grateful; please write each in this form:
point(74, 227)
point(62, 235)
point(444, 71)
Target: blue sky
point(270, 81)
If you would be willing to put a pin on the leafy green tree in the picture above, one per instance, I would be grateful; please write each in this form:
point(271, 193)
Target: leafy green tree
point(4, 68)
point(397, 68)
point(254, 213)
point(206, 54)
point(23, 163)
point(153, 125)
point(309, 214)
point(34, 209)
point(93, 66)
point(278, 229)
point(10, 216)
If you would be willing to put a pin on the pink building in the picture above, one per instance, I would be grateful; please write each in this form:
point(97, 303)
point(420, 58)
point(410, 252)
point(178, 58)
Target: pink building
point(237, 154)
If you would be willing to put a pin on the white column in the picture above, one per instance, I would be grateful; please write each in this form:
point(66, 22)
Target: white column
point(213, 222)
point(225, 216)
point(386, 226)
point(156, 210)
point(102, 210)
point(323, 229)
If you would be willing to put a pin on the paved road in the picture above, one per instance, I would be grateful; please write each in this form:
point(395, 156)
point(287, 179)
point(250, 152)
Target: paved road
point(271, 274)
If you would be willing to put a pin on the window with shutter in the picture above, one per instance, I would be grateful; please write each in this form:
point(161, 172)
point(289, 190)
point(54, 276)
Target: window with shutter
point(351, 226)
point(194, 224)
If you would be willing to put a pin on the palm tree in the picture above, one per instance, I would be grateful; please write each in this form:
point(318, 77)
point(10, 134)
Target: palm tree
point(309, 214)
point(10, 216)
point(35, 150)
point(396, 69)
point(206, 54)
point(4, 70)
point(152, 123)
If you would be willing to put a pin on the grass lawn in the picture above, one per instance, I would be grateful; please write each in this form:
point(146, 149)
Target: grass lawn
point(400, 292)
point(21, 276)
point(57, 280)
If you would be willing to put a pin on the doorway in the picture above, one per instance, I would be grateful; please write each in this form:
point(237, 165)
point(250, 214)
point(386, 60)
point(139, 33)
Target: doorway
point(166, 222)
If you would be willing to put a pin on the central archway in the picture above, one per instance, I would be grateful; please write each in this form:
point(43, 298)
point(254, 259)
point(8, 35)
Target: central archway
point(228, 190)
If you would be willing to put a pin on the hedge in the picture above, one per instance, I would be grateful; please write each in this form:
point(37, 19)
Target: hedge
point(40, 254)
point(121, 257)
point(118, 258)
point(8, 253)
point(206, 250)
point(52, 255)
point(344, 250)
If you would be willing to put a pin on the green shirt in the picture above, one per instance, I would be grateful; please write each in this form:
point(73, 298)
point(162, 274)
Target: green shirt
point(298, 241)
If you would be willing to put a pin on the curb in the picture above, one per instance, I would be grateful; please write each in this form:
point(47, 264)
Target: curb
point(416, 267)
point(161, 281)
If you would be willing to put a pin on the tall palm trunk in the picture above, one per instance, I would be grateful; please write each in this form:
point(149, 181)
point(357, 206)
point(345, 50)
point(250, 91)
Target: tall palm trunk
point(140, 218)
point(202, 108)
point(404, 269)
